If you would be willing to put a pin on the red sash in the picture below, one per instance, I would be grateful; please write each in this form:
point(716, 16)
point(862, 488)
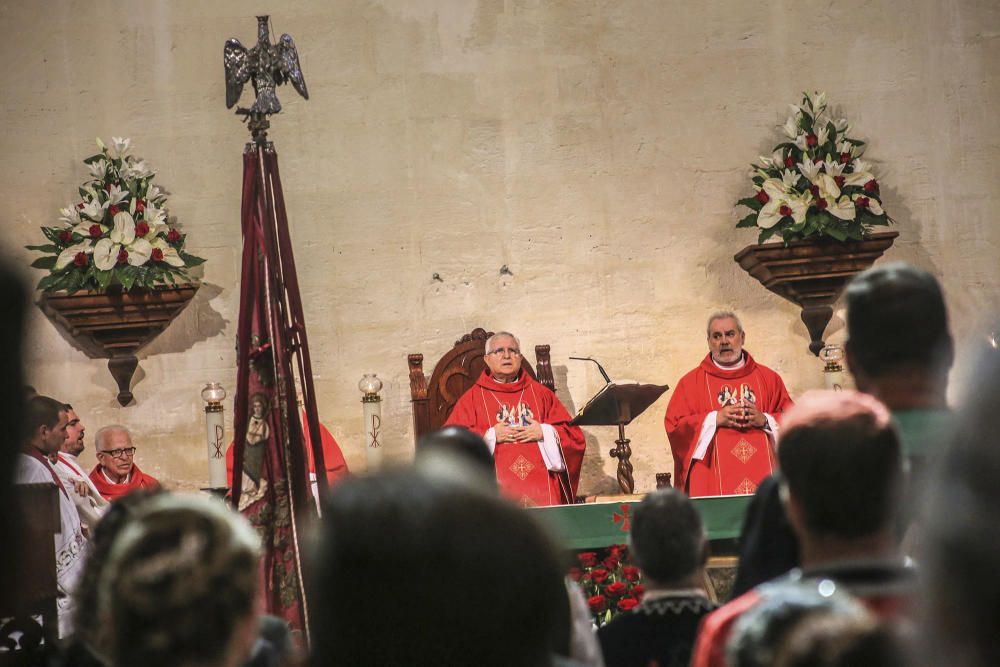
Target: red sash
point(523, 476)
point(736, 461)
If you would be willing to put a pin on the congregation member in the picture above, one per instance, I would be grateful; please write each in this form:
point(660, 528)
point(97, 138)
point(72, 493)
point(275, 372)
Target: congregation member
point(461, 457)
point(900, 350)
point(179, 584)
point(461, 577)
point(45, 421)
point(841, 475)
point(116, 472)
point(811, 625)
point(961, 587)
point(537, 454)
point(89, 502)
point(721, 420)
point(669, 546)
point(908, 373)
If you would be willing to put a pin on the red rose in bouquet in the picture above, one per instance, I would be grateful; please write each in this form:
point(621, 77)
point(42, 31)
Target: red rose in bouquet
point(598, 603)
point(627, 604)
point(598, 576)
point(615, 589)
point(587, 558)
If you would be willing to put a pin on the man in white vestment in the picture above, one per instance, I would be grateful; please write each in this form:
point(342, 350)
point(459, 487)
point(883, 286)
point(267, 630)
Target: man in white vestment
point(46, 422)
point(80, 488)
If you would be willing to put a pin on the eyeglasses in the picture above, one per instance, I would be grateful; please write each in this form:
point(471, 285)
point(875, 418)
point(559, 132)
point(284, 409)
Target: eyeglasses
point(122, 453)
point(512, 351)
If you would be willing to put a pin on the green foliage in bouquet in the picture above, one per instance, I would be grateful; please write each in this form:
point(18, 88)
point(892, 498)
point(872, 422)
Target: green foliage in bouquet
point(117, 233)
point(815, 183)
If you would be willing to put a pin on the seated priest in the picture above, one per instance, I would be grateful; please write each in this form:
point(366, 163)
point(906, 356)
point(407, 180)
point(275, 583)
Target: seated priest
point(721, 419)
point(537, 454)
point(116, 473)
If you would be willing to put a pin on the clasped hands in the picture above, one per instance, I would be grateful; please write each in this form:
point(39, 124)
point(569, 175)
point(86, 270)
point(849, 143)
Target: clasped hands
point(521, 434)
point(742, 415)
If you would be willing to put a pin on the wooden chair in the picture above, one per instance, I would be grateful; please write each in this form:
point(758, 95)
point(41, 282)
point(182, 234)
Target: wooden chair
point(34, 589)
point(454, 374)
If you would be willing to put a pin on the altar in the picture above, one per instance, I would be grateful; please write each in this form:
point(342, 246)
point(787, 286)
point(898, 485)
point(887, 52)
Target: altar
point(593, 525)
point(599, 524)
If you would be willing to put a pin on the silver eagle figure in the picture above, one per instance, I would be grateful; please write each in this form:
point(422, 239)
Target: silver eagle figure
point(267, 66)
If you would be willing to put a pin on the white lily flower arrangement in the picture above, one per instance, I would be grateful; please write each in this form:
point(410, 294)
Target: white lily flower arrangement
point(815, 183)
point(117, 233)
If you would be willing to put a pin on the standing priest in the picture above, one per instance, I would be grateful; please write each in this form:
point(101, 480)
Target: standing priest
point(536, 452)
point(721, 418)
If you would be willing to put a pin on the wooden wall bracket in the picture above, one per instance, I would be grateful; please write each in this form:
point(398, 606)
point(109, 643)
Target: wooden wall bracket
point(812, 273)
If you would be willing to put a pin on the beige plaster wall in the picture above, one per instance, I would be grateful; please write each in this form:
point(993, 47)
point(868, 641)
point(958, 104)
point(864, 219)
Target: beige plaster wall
point(595, 149)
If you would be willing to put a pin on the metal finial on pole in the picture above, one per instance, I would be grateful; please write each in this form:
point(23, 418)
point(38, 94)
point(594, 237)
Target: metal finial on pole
point(266, 66)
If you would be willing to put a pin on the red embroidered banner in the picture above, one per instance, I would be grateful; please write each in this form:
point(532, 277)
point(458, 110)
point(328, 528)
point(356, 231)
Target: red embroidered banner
point(270, 482)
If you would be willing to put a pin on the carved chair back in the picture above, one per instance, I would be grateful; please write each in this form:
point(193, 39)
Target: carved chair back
point(456, 373)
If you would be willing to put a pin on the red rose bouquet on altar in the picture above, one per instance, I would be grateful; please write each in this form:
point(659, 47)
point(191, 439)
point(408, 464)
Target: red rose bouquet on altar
point(117, 233)
point(610, 582)
point(815, 183)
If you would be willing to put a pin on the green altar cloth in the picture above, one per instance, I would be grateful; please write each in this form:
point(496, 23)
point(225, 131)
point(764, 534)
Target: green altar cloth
point(592, 525)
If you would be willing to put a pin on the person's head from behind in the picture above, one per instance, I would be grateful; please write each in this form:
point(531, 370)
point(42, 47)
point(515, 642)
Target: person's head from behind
point(413, 570)
point(45, 424)
point(897, 323)
point(963, 535)
point(88, 627)
point(841, 469)
point(458, 453)
point(829, 639)
point(668, 539)
point(760, 636)
point(179, 585)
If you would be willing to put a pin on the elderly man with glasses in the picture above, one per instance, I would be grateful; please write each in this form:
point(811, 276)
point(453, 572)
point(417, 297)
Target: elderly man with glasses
point(116, 473)
point(537, 454)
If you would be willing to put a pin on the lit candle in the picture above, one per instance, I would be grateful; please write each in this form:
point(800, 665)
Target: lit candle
point(213, 394)
point(833, 370)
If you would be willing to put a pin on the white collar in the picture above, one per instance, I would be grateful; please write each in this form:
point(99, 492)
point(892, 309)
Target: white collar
point(127, 479)
point(740, 364)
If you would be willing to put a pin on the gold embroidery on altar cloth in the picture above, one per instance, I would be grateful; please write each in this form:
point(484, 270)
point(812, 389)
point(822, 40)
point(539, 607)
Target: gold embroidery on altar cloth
point(526, 502)
point(744, 451)
point(746, 487)
point(521, 467)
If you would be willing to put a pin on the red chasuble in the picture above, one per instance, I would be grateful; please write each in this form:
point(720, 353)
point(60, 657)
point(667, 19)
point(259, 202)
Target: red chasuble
point(333, 458)
point(521, 470)
point(110, 491)
point(736, 460)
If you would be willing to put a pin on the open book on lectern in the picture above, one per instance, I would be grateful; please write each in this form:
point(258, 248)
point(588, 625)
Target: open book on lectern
point(617, 403)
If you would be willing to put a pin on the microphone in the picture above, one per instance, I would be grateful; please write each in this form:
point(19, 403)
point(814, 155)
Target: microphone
point(599, 367)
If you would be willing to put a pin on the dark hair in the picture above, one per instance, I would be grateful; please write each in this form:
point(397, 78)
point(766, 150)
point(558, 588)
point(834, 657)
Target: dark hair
point(180, 578)
point(840, 459)
point(963, 535)
point(464, 445)
point(667, 536)
point(418, 571)
point(41, 411)
point(896, 319)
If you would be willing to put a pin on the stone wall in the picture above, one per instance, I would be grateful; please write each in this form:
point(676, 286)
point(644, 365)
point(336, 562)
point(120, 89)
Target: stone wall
point(565, 170)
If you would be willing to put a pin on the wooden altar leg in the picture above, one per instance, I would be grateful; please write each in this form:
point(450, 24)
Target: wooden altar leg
point(122, 369)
